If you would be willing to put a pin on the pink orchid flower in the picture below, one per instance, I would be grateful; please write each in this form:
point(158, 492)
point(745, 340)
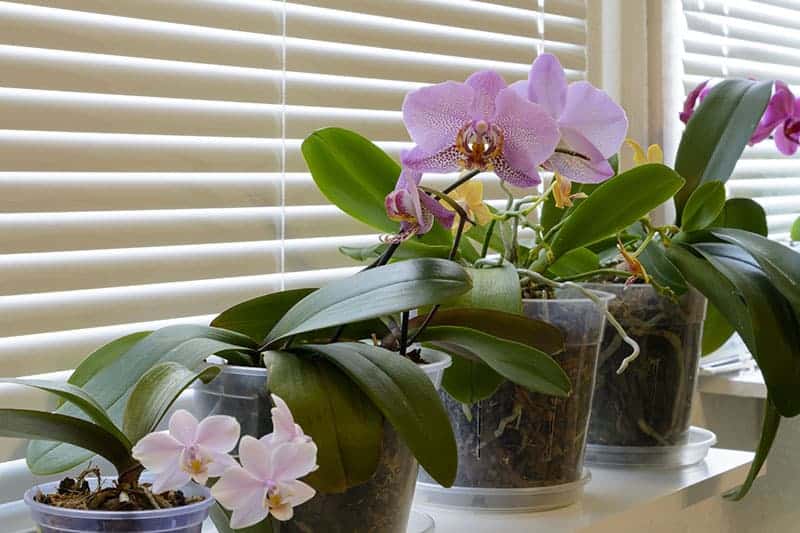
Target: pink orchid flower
point(190, 450)
point(590, 124)
point(478, 125)
point(414, 209)
point(284, 428)
point(267, 482)
point(781, 120)
point(697, 94)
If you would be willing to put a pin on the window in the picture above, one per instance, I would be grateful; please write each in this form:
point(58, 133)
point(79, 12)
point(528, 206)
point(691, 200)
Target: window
point(751, 39)
point(149, 153)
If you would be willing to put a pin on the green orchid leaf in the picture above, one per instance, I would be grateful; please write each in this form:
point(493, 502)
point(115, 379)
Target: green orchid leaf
point(343, 421)
point(717, 134)
point(704, 206)
point(468, 379)
point(79, 398)
point(492, 288)
point(552, 215)
point(517, 362)
point(575, 262)
point(356, 175)
point(743, 213)
point(256, 317)
point(104, 356)
point(769, 431)
point(111, 385)
point(795, 233)
point(374, 293)
point(660, 268)
point(410, 249)
point(716, 330)
point(24, 424)
point(406, 397)
point(154, 394)
point(615, 205)
point(780, 263)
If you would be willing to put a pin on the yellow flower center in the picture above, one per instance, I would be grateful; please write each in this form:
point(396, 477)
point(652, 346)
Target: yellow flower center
point(478, 144)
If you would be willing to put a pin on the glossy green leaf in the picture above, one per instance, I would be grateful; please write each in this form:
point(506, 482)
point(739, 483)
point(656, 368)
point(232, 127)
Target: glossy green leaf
point(574, 262)
point(716, 330)
point(155, 392)
point(795, 233)
point(769, 430)
point(356, 175)
point(256, 317)
point(23, 424)
point(718, 132)
point(104, 356)
point(660, 268)
point(79, 398)
point(704, 206)
point(373, 293)
point(110, 386)
point(743, 213)
point(552, 215)
point(492, 288)
point(615, 205)
point(516, 362)
point(410, 249)
point(468, 379)
point(406, 397)
point(343, 421)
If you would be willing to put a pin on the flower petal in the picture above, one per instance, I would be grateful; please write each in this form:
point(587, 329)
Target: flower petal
point(296, 492)
point(785, 145)
point(547, 84)
point(219, 462)
point(442, 214)
point(691, 101)
point(529, 137)
point(486, 83)
point(596, 116)
point(219, 433)
point(237, 486)
point(440, 162)
point(256, 457)
point(158, 451)
point(580, 170)
point(509, 174)
point(183, 426)
point(283, 424)
point(780, 107)
point(433, 115)
point(293, 461)
point(250, 510)
point(173, 478)
point(282, 512)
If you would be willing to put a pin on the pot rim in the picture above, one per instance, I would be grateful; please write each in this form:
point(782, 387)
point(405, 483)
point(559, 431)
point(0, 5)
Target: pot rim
point(115, 515)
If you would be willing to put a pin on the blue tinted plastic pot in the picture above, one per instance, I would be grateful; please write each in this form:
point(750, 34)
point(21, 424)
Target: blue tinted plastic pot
point(186, 519)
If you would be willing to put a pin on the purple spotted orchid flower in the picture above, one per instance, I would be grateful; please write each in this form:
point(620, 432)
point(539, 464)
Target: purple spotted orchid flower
point(590, 124)
point(478, 125)
point(415, 209)
point(782, 120)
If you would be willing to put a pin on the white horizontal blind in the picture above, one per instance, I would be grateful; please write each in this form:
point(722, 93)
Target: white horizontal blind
point(751, 39)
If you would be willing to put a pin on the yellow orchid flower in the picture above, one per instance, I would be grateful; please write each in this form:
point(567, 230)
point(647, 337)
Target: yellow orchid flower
point(469, 195)
point(562, 190)
point(654, 153)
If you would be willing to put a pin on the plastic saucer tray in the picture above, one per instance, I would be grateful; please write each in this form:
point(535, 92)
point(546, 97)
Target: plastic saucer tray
point(502, 499)
point(694, 449)
point(420, 522)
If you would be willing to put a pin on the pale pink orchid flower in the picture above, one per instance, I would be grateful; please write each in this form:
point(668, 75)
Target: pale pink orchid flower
point(284, 428)
point(267, 482)
point(190, 450)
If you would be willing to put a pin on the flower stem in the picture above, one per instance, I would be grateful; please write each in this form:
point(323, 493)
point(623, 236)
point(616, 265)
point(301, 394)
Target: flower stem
point(463, 178)
point(489, 232)
point(403, 333)
point(599, 271)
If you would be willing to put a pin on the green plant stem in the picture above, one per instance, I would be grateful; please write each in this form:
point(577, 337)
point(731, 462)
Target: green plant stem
point(403, 333)
point(489, 232)
point(599, 271)
point(463, 178)
point(593, 297)
point(647, 240)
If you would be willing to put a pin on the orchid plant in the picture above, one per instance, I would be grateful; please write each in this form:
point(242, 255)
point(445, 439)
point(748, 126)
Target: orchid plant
point(572, 130)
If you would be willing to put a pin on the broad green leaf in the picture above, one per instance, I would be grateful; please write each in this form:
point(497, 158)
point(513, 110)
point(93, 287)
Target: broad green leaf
point(615, 205)
point(743, 213)
point(373, 293)
point(343, 421)
point(356, 175)
point(155, 392)
point(104, 356)
point(575, 262)
point(517, 362)
point(795, 233)
point(256, 317)
point(552, 215)
point(410, 249)
point(23, 424)
point(717, 134)
point(660, 268)
point(704, 206)
point(468, 379)
point(769, 430)
point(110, 385)
point(79, 398)
point(406, 397)
point(716, 330)
point(780, 263)
point(772, 335)
point(492, 288)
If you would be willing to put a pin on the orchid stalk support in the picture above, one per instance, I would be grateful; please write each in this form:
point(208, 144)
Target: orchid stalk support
point(537, 277)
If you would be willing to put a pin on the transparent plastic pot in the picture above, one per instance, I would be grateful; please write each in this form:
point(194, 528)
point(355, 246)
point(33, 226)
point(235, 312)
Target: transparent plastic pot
point(382, 504)
point(650, 403)
point(186, 519)
point(517, 441)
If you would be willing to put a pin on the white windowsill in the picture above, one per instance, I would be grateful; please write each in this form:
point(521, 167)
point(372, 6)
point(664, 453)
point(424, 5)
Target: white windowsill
point(743, 383)
point(615, 500)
